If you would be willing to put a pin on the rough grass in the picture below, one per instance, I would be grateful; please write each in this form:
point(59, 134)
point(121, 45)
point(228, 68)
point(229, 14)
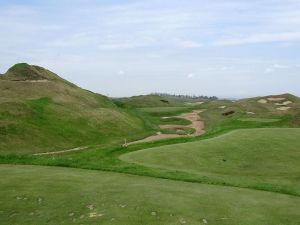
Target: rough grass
point(57, 115)
point(47, 126)
point(44, 195)
point(174, 120)
point(262, 120)
point(148, 101)
point(165, 111)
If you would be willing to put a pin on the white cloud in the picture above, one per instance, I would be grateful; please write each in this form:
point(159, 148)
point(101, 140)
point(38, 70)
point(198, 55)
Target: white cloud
point(112, 46)
point(130, 43)
point(260, 38)
point(190, 44)
point(190, 75)
point(269, 70)
point(281, 66)
point(121, 72)
point(275, 67)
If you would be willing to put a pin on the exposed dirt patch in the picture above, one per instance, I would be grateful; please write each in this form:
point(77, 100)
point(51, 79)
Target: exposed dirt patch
point(284, 103)
point(284, 108)
point(262, 101)
point(193, 103)
point(63, 151)
point(32, 81)
point(94, 214)
point(196, 123)
point(182, 221)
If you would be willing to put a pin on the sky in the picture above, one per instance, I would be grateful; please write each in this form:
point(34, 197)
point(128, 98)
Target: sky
point(227, 48)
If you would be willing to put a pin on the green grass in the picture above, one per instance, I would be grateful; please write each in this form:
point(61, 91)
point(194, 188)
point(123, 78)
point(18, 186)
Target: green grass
point(44, 195)
point(57, 115)
point(269, 156)
point(165, 111)
point(107, 159)
point(151, 100)
point(174, 120)
point(45, 125)
point(262, 120)
point(181, 130)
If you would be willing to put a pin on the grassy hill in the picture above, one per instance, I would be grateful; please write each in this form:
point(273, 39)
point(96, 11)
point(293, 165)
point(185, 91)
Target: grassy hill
point(154, 100)
point(39, 111)
point(267, 111)
point(203, 176)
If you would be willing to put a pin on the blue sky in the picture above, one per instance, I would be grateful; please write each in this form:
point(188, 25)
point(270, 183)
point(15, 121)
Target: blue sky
point(229, 48)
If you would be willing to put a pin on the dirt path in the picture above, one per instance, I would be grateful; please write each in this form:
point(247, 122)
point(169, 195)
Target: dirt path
point(63, 151)
point(196, 123)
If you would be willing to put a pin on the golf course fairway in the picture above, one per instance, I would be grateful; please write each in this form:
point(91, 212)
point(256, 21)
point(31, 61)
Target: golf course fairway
point(264, 156)
point(53, 195)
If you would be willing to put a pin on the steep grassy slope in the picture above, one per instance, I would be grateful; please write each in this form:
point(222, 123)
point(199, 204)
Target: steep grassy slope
point(44, 195)
point(39, 112)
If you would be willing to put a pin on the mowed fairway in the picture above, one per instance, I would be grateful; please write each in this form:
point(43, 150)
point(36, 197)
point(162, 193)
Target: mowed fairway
point(52, 195)
point(263, 158)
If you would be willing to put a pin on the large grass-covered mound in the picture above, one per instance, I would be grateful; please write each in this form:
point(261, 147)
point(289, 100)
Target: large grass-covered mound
point(39, 111)
point(47, 195)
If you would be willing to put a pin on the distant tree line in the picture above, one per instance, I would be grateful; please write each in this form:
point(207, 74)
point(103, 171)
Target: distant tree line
point(187, 96)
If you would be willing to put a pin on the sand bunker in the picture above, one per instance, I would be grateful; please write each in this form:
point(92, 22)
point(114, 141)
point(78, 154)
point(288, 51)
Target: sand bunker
point(193, 103)
point(222, 107)
point(196, 124)
point(262, 101)
point(284, 108)
point(284, 103)
point(276, 99)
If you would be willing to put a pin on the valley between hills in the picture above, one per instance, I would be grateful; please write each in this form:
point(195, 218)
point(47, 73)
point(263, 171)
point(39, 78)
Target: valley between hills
point(71, 156)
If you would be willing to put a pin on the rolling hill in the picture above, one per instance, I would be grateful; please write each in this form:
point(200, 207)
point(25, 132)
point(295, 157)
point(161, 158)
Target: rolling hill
point(203, 174)
point(40, 111)
point(158, 100)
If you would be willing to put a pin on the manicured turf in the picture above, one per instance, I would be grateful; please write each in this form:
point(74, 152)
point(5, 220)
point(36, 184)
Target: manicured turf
point(269, 156)
point(48, 195)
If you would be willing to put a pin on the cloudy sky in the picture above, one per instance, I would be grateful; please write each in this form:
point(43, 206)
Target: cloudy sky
point(228, 48)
